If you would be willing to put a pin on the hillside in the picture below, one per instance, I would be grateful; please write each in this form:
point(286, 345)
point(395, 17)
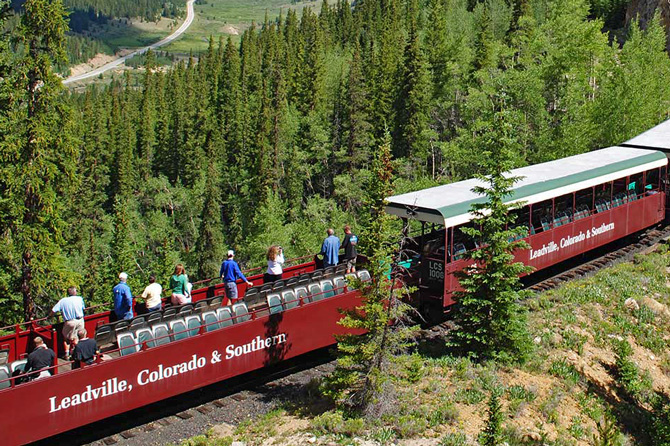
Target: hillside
point(577, 390)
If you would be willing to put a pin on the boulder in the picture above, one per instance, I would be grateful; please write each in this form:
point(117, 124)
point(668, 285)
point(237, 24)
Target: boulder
point(631, 304)
point(658, 308)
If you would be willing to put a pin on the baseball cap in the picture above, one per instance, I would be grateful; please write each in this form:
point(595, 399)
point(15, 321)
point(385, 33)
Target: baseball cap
point(123, 276)
point(231, 253)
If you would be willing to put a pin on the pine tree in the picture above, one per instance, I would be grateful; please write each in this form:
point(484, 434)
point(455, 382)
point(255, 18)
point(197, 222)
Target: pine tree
point(490, 321)
point(312, 67)
point(209, 246)
point(38, 151)
point(358, 127)
point(146, 135)
point(413, 104)
point(362, 367)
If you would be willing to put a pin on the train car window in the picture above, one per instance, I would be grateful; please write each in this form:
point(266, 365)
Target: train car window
point(564, 209)
point(583, 203)
point(462, 242)
point(635, 186)
point(664, 178)
point(651, 181)
point(521, 219)
point(603, 197)
point(620, 192)
point(433, 242)
point(542, 216)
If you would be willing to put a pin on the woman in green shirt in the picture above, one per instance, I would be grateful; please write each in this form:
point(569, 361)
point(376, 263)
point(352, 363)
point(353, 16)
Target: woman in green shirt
point(179, 285)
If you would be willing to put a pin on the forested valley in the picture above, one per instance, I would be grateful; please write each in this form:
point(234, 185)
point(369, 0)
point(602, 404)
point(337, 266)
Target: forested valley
point(85, 15)
point(270, 141)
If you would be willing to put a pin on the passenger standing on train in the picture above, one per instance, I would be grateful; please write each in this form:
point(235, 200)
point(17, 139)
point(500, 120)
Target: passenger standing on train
point(275, 262)
point(123, 298)
point(230, 272)
point(72, 308)
point(179, 285)
point(330, 249)
point(349, 245)
point(38, 360)
point(152, 295)
point(84, 350)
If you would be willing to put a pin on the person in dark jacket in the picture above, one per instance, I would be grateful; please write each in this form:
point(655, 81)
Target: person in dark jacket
point(349, 246)
point(39, 360)
point(84, 350)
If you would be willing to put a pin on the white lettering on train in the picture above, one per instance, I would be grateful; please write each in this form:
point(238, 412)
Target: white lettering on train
point(109, 387)
point(160, 372)
point(233, 351)
point(435, 270)
point(570, 240)
point(145, 376)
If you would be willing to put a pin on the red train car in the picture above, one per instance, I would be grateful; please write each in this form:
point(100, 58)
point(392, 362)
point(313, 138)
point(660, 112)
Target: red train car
point(177, 350)
point(571, 206)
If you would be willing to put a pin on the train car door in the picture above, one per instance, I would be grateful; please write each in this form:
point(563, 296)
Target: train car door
point(434, 253)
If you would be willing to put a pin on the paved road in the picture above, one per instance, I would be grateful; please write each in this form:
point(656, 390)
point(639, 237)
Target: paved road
point(190, 15)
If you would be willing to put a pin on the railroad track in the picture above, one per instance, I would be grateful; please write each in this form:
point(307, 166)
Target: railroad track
point(188, 414)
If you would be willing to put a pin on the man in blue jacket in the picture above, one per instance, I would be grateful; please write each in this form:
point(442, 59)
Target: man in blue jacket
point(123, 298)
point(330, 249)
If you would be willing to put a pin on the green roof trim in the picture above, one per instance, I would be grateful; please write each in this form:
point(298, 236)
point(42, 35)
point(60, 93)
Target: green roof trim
point(537, 188)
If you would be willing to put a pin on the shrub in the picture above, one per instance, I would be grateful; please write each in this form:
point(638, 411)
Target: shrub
point(606, 432)
point(385, 435)
point(492, 434)
point(407, 426)
point(442, 414)
point(469, 396)
point(627, 373)
point(574, 341)
point(563, 369)
point(518, 392)
point(457, 439)
point(414, 368)
point(335, 422)
point(661, 422)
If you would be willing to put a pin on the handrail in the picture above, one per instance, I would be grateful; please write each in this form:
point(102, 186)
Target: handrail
point(289, 261)
point(13, 327)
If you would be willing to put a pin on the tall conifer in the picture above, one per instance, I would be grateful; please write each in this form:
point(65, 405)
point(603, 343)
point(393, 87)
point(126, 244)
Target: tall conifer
point(38, 151)
point(490, 321)
point(363, 365)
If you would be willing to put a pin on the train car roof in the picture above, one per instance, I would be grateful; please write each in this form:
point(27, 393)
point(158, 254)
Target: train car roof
point(655, 138)
point(450, 204)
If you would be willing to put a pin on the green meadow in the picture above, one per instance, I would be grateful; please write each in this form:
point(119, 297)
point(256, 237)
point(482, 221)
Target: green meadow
point(229, 18)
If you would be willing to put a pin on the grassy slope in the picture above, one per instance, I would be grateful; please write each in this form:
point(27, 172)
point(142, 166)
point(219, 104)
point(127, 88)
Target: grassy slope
point(557, 398)
point(126, 33)
point(228, 17)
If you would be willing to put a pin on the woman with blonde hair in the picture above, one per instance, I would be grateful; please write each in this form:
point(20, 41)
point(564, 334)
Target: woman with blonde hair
point(275, 261)
point(179, 284)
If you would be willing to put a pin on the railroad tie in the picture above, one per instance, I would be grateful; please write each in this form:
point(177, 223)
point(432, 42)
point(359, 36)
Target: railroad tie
point(127, 434)
point(203, 409)
point(185, 415)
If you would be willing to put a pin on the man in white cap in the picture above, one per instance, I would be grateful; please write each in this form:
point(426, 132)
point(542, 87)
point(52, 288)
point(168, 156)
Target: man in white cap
point(123, 298)
point(230, 272)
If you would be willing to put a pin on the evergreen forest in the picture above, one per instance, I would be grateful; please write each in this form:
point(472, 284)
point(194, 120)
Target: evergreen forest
point(270, 140)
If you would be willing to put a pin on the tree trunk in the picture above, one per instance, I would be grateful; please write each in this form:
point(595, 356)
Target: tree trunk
point(26, 288)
